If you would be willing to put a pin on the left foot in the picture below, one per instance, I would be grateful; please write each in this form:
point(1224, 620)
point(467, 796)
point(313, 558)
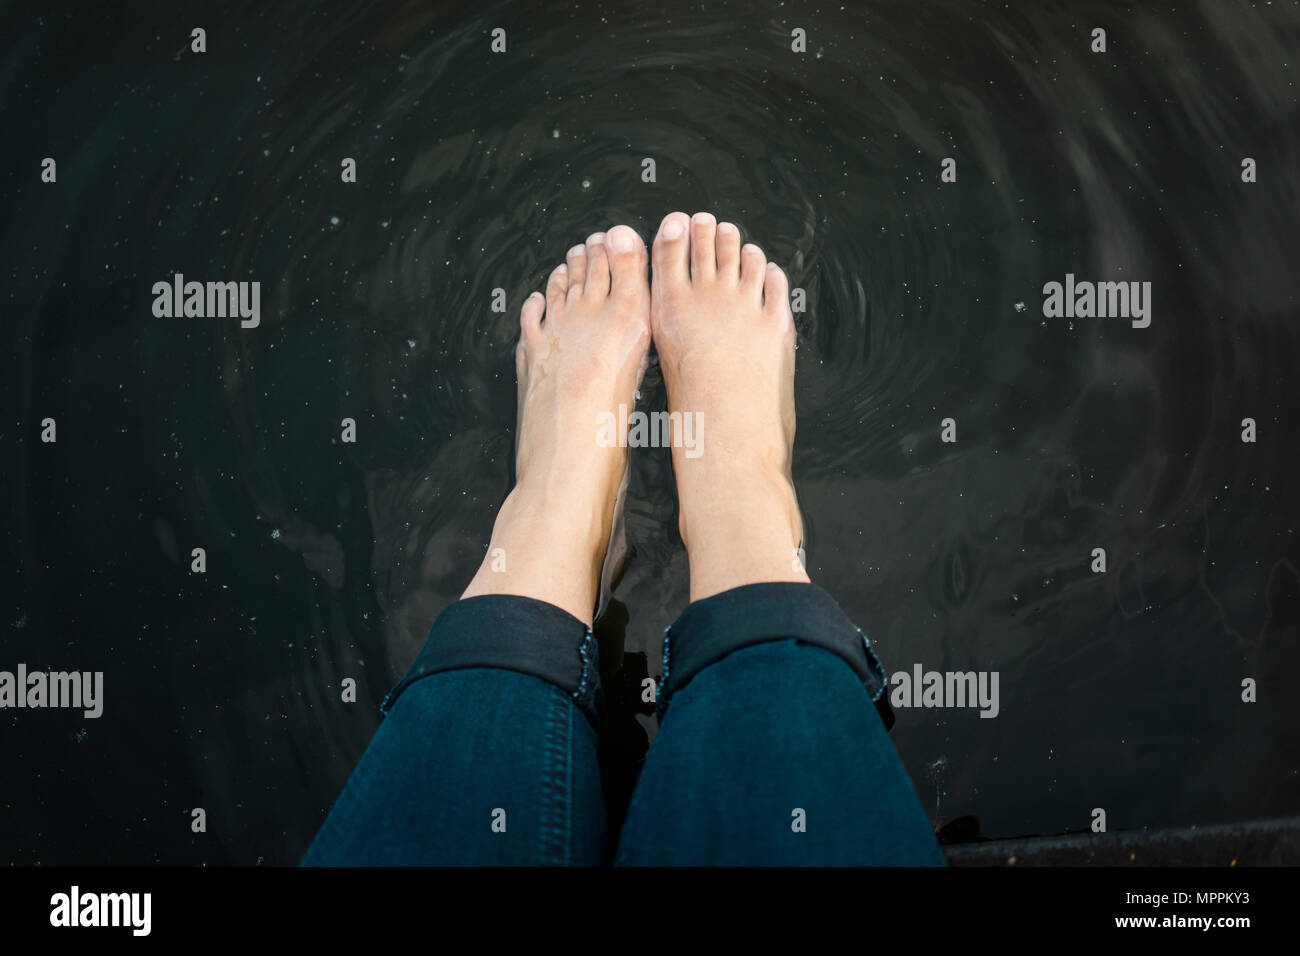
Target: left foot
point(582, 350)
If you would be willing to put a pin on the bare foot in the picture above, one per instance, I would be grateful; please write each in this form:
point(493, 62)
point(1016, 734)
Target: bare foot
point(725, 336)
point(582, 350)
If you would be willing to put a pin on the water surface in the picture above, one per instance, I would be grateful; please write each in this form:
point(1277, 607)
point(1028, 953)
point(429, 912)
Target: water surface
point(475, 172)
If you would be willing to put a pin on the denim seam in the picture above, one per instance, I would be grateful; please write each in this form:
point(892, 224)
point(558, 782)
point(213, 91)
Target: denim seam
point(584, 655)
point(568, 787)
point(553, 839)
point(660, 703)
point(877, 668)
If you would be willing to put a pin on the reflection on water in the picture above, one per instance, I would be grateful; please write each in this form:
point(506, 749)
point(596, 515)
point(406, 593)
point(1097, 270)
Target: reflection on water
point(475, 172)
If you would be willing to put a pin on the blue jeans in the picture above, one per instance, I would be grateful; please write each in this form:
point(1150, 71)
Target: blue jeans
point(771, 747)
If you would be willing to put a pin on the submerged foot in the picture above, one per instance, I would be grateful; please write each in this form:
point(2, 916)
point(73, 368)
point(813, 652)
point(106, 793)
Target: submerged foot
point(582, 350)
point(722, 326)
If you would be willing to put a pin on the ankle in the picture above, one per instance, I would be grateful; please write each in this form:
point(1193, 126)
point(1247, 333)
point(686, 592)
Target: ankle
point(742, 533)
point(571, 516)
point(770, 517)
point(546, 549)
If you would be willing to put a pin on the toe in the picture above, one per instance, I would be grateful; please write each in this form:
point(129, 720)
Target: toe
point(753, 269)
point(557, 286)
point(597, 284)
point(776, 293)
point(530, 316)
point(728, 252)
point(671, 252)
point(627, 262)
point(577, 260)
point(704, 263)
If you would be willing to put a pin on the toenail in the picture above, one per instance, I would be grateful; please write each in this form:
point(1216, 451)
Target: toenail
point(578, 251)
point(726, 227)
point(595, 239)
point(622, 241)
point(561, 268)
point(703, 218)
point(672, 229)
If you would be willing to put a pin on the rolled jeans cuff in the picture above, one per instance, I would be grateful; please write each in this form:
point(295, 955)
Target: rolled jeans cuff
point(710, 629)
point(517, 634)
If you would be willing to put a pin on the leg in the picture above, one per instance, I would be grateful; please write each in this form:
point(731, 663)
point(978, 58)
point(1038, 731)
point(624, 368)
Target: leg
point(473, 766)
point(496, 721)
point(772, 750)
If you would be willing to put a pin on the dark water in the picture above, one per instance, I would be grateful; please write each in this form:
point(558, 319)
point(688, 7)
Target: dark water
point(476, 171)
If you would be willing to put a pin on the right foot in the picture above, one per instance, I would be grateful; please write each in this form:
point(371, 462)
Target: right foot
point(722, 326)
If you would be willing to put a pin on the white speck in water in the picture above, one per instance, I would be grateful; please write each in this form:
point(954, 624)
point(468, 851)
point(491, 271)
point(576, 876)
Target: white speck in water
point(410, 343)
point(81, 735)
point(637, 395)
point(385, 224)
point(334, 220)
point(555, 134)
point(585, 184)
point(275, 534)
point(1020, 307)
